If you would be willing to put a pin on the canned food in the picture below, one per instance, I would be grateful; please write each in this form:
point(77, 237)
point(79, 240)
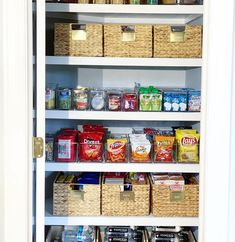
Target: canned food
point(80, 99)
point(64, 99)
point(50, 98)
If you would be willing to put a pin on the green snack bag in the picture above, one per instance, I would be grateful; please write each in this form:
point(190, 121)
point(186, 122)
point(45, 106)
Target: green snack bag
point(156, 101)
point(145, 99)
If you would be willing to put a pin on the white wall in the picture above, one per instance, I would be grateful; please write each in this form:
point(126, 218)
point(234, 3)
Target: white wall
point(15, 207)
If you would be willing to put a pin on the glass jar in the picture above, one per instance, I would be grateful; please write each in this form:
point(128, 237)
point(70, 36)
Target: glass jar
point(97, 100)
point(80, 98)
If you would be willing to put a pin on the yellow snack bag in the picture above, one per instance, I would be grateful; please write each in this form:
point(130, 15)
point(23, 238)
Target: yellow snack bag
point(117, 150)
point(188, 146)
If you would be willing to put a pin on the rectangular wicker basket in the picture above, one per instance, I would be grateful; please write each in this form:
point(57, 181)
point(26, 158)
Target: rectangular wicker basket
point(178, 41)
point(70, 202)
point(71, 39)
point(168, 203)
point(116, 202)
point(127, 40)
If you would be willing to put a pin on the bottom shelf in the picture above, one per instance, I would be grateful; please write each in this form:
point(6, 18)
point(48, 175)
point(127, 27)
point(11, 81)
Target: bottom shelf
point(117, 221)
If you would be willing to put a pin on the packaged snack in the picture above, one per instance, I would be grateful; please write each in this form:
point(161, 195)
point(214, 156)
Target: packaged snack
point(64, 97)
point(50, 98)
point(49, 148)
point(156, 99)
point(66, 143)
point(117, 150)
point(97, 100)
point(80, 98)
point(175, 100)
point(163, 148)
point(145, 99)
point(140, 148)
point(114, 101)
point(188, 145)
point(130, 101)
point(91, 147)
point(194, 101)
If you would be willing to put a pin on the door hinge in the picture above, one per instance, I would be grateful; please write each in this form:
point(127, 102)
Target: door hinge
point(37, 147)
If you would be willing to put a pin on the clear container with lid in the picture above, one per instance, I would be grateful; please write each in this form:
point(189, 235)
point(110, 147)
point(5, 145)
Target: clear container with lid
point(64, 99)
point(114, 100)
point(97, 99)
point(81, 98)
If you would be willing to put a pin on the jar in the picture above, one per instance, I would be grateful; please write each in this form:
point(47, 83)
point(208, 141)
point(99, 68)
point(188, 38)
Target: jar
point(64, 97)
point(114, 101)
point(50, 98)
point(97, 100)
point(80, 98)
point(130, 101)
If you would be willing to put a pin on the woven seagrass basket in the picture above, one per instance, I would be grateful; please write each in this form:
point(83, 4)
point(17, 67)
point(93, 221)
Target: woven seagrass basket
point(78, 39)
point(117, 1)
point(168, 203)
point(70, 202)
point(99, 1)
point(127, 40)
point(178, 41)
point(116, 202)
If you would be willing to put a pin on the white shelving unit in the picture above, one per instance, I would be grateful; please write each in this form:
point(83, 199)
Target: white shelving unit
point(123, 167)
point(131, 116)
point(106, 72)
point(123, 62)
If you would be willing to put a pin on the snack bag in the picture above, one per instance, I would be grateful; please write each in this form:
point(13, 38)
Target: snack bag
point(140, 151)
point(91, 147)
point(188, 146)
point(116, 149)
point(163, 148)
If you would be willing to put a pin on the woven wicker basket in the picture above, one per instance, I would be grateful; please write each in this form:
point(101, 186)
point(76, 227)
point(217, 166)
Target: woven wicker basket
point(178, 42)
point(127, 41)
point(164, 205)
point(117, 1)
point(115, 202)
point(99, 1)
point(78, 40)
point(69, 202)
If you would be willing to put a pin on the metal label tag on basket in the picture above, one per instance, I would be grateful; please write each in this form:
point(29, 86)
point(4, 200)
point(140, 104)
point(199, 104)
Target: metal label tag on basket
point(177, 34)
point(78, 194)
point(79, 32)
point(176, 193)
point(127, 196)
point(177, 196)
point(128, 33)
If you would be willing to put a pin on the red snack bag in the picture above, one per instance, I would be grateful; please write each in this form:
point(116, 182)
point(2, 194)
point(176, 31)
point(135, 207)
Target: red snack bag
point(91, 147)
point(163, 148)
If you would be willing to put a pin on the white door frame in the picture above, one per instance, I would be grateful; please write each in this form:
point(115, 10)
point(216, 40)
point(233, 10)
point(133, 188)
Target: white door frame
point(16, 121)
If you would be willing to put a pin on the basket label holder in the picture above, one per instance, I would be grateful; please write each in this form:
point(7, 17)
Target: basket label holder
point(127, 196)
point(177, 193)
point(128, 33)
point(79, 32)
point(177, 34)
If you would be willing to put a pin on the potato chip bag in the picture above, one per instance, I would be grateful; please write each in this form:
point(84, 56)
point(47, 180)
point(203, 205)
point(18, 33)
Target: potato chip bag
point(188, 146)
point(116, 149)
point(163, 148)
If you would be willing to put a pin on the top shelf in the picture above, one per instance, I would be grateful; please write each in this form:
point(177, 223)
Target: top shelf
point(178, 14)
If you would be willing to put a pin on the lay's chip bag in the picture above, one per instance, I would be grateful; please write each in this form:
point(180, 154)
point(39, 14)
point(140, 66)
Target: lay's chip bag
point(188, 145)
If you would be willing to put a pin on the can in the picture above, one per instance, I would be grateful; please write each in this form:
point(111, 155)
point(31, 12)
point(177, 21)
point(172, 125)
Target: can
point(64, 99)
point(50, 98)
point(80, 98)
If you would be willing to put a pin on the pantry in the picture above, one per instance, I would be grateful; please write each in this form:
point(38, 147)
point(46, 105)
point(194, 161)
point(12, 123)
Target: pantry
point(119, 100)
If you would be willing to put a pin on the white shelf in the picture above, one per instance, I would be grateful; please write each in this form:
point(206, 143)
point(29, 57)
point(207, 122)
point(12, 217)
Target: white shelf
point(117, 221)
point(128, 62)
point(134, 9)
point(155, 13)
point(122, 167)
point(129, 116)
